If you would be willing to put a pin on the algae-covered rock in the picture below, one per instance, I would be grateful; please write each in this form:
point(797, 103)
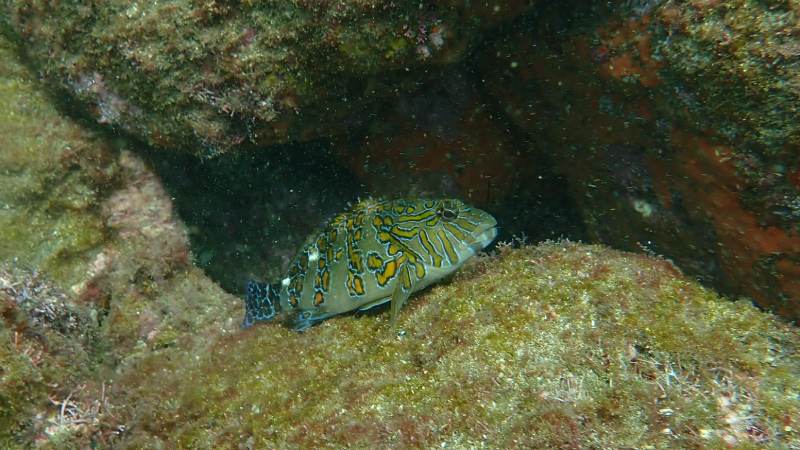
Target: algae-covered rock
point(47, 345)
point(675, 124)
point(95, 269)
point(734, 68)
point(209, 76)
point(52, 174)
point(560, 345)
point(154, 295)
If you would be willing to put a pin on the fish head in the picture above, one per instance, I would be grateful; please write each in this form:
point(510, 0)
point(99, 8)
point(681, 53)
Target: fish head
point(478, 227)
point(451, 231)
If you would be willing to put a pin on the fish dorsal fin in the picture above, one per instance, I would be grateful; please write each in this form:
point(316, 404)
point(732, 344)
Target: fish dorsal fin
point(402, 290)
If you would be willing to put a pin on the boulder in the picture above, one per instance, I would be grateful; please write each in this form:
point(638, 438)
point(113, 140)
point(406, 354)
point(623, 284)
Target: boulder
point(93, 264)
point(559, 345)
point(676, 127)
point(210, 77)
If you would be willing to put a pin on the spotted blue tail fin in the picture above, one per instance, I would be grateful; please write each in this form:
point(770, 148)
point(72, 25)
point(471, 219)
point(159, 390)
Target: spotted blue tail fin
point(261, 303)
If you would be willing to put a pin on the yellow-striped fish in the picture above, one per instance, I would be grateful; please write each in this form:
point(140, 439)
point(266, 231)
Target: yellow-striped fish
point(378, 251)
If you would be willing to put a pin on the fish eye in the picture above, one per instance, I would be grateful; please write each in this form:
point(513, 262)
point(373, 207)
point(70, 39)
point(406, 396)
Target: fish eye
point(447, 214)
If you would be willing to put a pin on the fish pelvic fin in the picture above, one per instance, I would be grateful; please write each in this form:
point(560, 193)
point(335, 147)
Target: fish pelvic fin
point(261, 303)
point(402, 290)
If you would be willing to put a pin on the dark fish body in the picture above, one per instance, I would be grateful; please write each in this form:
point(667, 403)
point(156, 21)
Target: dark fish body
point(378, 251)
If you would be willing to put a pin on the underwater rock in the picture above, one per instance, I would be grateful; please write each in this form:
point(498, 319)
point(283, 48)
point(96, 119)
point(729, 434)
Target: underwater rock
point(95, 268)
point(676, 125)
point(91, 217)
point(47, 344)
point(559, 345)
point(53, 174)
point(446, 141)
point(146, 273)
point(209, 77)
point(440, 141)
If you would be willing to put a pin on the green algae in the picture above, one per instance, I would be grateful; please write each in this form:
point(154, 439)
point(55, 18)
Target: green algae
point(209, 77)
point(47, 347)
point(52, 176)
point(21, 389)
point(97, 226)
point(740, 58)
point(556, 345)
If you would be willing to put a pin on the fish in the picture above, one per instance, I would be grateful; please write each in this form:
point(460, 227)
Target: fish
point(377, 251)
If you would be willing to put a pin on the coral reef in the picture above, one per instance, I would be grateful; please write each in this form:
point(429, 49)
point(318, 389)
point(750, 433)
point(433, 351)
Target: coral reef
point(208, 77)
point(559, 345)
point(675, 126)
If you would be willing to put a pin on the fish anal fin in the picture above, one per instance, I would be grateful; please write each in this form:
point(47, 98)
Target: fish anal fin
point(374, 303)
point(304, 320)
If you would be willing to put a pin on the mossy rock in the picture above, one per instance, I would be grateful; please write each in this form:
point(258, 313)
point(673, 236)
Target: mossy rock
point(53, 173)
point(210, 76)
point(558, 345)
point(47, 346)
point(94, 268)
point(733, 67)
point(675, 126)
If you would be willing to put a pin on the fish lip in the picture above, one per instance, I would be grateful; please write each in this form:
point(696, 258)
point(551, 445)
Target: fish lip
point(486, 228)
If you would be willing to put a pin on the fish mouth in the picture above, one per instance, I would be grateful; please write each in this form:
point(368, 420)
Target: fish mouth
point(484, 237)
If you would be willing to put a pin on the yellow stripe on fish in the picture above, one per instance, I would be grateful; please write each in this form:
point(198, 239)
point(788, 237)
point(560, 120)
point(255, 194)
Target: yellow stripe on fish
point(379, 251)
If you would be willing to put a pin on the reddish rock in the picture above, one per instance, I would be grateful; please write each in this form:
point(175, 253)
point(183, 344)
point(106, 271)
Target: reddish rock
point(680, 153)
point(445, 141)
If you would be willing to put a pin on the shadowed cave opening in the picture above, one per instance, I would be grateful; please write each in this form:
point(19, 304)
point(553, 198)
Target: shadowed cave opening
point(249, 214)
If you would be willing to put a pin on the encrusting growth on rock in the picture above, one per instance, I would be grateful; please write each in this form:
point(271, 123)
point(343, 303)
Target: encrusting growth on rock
point(561, 344)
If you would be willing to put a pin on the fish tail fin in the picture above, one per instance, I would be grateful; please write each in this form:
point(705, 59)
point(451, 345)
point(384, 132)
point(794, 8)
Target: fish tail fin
point(261, 303)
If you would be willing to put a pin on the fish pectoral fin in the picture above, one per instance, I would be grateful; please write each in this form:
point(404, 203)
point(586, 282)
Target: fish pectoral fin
point(402, 290)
